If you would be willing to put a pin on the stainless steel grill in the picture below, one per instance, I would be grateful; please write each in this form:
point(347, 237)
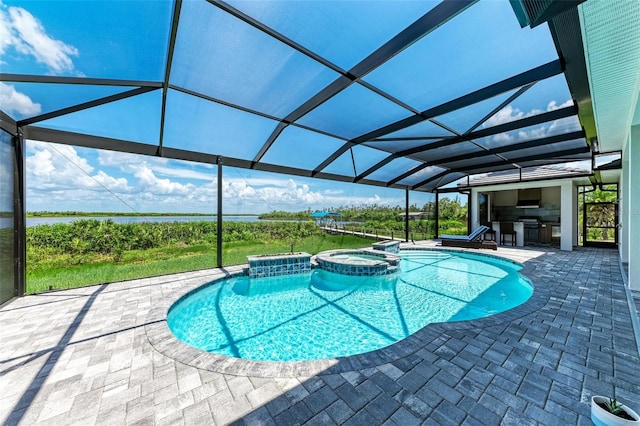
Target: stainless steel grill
point(531, 228)
point(530, 221)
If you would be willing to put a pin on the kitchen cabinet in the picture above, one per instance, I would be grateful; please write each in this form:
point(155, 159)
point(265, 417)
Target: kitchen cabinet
point(544, 233)
point(548, 232)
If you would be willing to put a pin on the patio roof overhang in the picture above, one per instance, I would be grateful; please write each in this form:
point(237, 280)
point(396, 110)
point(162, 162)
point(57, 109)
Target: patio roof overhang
point(413, 96)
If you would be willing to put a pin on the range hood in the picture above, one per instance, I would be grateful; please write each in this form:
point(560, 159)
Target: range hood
point(528, 198)
point(528, 204)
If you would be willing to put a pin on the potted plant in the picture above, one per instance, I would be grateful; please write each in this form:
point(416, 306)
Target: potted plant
point(609, 412)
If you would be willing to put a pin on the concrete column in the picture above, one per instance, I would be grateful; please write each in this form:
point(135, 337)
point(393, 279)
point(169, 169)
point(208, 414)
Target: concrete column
point(219, 217)
point(475, 210)
point(634, 208)
point(568, 215)
point(574, 220)
point(624, 191)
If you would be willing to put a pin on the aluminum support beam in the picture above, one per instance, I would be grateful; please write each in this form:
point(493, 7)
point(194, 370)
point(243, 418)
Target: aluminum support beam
point(20, 216)
point(406, 214)
point(88, 141)
point(499, 163)
point(436, 233)
point(511, 148)
point(536, 74)
point(8, 124)
point(167, 72)
point(85, 105)
point(431, 20)
point(28, 78)
point(490, 131)
point(219, 218)
point(528, 77)
point(407, 174)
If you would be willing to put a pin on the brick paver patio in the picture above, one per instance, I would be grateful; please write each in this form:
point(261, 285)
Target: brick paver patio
point(83, 357)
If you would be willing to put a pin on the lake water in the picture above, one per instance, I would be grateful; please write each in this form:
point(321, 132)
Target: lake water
point(7, 222)
point(34, 221)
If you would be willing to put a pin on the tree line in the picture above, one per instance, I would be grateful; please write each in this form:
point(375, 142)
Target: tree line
point(448, 209)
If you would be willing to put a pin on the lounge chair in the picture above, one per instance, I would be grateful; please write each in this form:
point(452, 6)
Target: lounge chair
point(473, 240)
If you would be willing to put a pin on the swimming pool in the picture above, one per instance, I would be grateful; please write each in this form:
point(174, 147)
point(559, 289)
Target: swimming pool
point(323, 315)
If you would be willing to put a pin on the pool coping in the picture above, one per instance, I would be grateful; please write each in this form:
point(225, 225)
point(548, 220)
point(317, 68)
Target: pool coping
point(163, 340)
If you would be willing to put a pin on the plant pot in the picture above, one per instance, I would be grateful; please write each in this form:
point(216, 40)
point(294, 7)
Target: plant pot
point(602, 417)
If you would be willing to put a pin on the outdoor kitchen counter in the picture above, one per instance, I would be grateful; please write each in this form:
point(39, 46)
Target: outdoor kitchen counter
point(517, 226)
point(549, 231)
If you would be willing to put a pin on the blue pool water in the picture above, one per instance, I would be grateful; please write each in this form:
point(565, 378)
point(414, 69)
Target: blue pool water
point(324, 315)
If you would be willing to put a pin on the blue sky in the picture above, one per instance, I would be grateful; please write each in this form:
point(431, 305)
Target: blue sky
point(105, 40)
point(61, 177)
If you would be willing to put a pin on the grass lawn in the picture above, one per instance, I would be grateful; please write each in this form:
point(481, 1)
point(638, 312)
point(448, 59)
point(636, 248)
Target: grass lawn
point(60, 274)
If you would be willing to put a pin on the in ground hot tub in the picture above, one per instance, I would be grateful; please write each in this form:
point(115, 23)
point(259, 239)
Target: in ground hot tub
point(273, 265)
point(390, 246)
point(358, 262)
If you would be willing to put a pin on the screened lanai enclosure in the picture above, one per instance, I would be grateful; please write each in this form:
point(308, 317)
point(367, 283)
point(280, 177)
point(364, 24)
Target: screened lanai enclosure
point(416, 97)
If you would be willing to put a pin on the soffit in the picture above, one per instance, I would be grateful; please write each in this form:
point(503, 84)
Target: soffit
point(611, 36)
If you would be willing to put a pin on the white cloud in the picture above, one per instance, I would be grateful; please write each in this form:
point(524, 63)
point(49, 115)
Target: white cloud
point(114, 184)
point(55, 181)
point(503, 138)
point(13, 101)
point(509, 113)
point(271, 180)
point(45, 155)
point(291, 195)
point(552, 105)
point(425, 173)
point(40, 163)
point(151, 184)
point(505, 115)
point(159, 165)
point(26, 34)
point(21, 31)
point(120, 159)
point(237, 191)
point(184, 173)
point(58, 177)
point(6, 36)
point(332, 191)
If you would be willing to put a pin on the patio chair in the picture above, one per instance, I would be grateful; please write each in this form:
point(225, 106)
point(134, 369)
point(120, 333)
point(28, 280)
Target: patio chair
point(506, 228)
point(490, 234)
point(473, 240)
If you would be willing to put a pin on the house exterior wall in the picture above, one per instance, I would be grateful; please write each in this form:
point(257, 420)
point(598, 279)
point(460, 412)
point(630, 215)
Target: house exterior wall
point(505, 198)
point(625, 195)
point(550, 195)
point(634, 208)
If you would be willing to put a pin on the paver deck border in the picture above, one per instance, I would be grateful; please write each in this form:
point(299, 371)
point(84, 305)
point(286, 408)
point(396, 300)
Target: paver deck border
point(82, 356)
